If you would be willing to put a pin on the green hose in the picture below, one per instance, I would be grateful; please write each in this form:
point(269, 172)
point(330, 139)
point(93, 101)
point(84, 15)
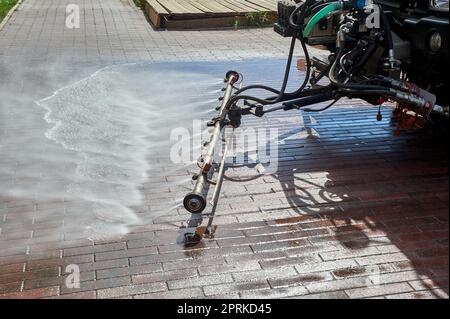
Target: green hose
point(320, 15)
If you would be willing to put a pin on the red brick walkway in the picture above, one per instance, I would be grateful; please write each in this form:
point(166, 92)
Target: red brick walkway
point(353, 212)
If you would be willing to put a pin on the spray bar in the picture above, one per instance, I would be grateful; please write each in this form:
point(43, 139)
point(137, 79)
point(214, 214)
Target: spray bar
point(195, 201)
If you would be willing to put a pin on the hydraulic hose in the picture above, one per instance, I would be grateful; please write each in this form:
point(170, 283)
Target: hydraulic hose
point(349, 87)
point(387, 28)
point(281, 95)
point(320, 15)
point(285, 80)
point(296, 22)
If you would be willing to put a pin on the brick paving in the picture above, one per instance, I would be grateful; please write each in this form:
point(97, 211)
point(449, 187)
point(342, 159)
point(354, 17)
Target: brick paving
point(116, 31)
point(352, 211)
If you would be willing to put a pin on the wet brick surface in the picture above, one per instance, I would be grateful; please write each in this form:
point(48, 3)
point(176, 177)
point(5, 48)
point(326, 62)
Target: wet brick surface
point(352, 211)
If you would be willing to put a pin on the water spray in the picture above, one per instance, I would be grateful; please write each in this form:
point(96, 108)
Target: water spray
point(195, 201)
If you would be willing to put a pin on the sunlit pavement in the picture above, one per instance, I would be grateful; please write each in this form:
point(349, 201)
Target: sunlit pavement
point(351, 211)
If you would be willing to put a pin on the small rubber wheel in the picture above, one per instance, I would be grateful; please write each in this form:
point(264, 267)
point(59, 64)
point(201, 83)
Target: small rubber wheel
point(194, 203)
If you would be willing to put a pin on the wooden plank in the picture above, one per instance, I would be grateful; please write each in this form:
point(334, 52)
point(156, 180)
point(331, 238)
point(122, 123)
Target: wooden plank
point(156, 6)
point(175, 8)
point(200, 6)
point(208, 22)
point(269, 5)
point(155, 12)
point(233, 6)
point(215, 6)
point(247, 4)
point(189, 7)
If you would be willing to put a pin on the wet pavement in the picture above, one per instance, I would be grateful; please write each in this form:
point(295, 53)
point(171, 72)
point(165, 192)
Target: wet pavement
point(349, 211)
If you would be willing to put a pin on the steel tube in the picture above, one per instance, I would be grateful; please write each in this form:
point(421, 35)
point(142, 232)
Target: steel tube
point(195, 201)
point(215, 136)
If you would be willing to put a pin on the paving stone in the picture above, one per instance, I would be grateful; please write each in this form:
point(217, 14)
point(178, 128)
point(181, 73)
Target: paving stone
point(188, 293)
point(32, 293)
point(425, 294)
point(348, 196)
point(234, 287)
point(131, 290)
point(200, 281)
point(275, 293)
point(166, 276)
point(379, 290)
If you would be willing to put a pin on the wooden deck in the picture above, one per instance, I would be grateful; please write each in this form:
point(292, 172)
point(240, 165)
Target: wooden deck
point(195, 14)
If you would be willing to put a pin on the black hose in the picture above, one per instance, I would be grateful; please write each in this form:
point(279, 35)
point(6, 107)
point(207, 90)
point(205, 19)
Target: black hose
point(308, 66)
point(359, 93)
point(281, 95)
point(322, 109)
point(304, 47)
point(387, 28)
point(297, 27)
point(349, 87)
point(341, 64)
point(339, 55)
point(293, 15)
point(286, 75)
point(258, 86)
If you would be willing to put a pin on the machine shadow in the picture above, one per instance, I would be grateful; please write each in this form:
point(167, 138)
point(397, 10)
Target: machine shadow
point(374, 188)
